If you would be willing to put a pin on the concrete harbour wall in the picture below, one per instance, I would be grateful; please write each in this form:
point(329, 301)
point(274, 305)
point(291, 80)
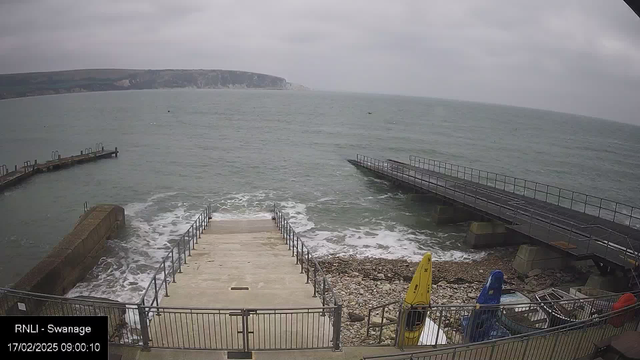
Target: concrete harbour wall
point(76, 254)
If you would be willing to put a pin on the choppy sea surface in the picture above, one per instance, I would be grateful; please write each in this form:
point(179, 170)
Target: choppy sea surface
point(242, 151)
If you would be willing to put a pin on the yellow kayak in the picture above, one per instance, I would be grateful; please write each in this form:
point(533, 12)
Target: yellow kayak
point(417, 299)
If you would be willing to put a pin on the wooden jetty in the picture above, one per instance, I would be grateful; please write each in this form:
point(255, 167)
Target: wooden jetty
point(28, 169)
point(579, 225)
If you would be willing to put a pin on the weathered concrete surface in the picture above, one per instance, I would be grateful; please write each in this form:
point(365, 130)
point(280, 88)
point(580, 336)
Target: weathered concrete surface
point(486, 234)
point(531, 257)
point(421, 197)
point(444, 214)
point(241, 253)
point(76, 254)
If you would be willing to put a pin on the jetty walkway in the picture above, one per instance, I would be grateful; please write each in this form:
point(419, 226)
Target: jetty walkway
point(28, 169)
point(579, 225)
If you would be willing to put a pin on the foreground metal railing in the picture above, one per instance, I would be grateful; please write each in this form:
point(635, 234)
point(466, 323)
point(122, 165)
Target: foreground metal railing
point(588, 204)
point(565, 342)
point(542, 225)
point(244, 329)
point(459, 324)
point(171, 263)
point(124, 318)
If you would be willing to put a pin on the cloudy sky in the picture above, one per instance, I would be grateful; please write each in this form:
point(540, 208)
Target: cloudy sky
point(578, 56)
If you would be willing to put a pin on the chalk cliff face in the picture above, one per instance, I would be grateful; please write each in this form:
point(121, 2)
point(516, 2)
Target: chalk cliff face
point(60, 82)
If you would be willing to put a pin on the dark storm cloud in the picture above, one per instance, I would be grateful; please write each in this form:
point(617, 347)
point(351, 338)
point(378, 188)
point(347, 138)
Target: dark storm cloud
point(580, 56)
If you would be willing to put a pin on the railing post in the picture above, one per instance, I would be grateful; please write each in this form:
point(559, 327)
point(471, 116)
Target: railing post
point(293, 249)
point(297, 239)
point(164, 279)
point(315, 279)
point(184, 248)
point(144, 328)
point(190, 240)
point(337, 327)
point(155, 290)
point(402, 319)
point(173, 266)
point(307, 266)
point(197, 231)
point(302, 258)
point(179, 260)
point(324, 285)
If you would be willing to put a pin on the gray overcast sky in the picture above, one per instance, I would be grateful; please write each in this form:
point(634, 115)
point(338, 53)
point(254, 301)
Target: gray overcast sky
point(578, 56)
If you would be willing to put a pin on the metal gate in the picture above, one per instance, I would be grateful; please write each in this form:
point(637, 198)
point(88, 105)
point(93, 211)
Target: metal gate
point(242, 330)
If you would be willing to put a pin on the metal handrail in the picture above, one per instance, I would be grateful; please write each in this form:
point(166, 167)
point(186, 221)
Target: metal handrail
point(382, 308)
point(419, 162)
point(297, 247)
point(583, 324)
point(175, 257)
point(444, 186)
point(583, 306)
point(571, 197)
point(612, 296)
point(236, 308)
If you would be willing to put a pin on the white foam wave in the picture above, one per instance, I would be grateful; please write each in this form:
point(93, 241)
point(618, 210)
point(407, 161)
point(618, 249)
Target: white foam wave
point(124, 273)
point(240, 216)
point(382, 239)
point(381, 242)
point(297, 216)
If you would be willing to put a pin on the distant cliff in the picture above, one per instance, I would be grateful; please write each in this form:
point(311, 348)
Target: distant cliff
point(60, 82)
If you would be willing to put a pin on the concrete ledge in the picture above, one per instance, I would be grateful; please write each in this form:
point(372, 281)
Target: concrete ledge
point(486, 234)
point(451, 215)
point(428, 198)
point(531, 257)
point(76, 254)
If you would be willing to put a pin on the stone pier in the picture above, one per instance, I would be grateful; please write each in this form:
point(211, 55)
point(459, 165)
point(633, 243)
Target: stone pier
point(447, 214)
point(531, 257)
point(486, 234)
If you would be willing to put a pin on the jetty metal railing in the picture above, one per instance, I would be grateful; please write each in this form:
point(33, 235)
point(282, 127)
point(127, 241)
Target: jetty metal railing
point(308, 263)
point(171, 263)
point(589, 204)
point(124, 318)
point(565, 342)
point(458, 324)
point(309, 266)
point(243, 329)
point(543, 225)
